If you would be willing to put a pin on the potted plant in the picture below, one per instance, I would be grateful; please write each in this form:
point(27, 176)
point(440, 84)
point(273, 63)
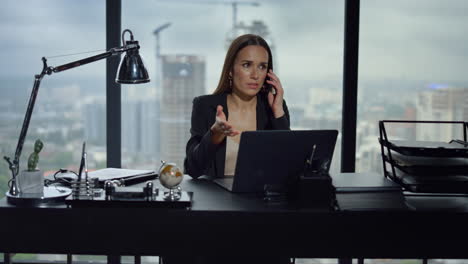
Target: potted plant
point(31, 180)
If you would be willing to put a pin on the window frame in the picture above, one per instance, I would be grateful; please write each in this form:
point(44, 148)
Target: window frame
point(350, 88)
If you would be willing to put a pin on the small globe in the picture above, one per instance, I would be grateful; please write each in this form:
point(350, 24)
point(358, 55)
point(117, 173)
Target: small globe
point(170, 176)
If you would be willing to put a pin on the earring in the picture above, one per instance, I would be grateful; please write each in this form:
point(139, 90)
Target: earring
point(230, 83)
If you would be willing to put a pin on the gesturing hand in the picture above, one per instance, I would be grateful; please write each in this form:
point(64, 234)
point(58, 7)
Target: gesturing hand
point(275, 100)
point(221, 127)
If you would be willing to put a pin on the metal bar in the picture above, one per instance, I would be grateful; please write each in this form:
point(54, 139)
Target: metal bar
point(465, 127)
point(27, 116)
point(113, 95)
point(350, 80)
point(14, 165)
point(389, 152)
point(382, 151)
point(423, 121)
point(82, 61)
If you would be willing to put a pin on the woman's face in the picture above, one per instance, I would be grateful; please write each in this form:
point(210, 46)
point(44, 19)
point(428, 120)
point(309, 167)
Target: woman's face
point(249, 70)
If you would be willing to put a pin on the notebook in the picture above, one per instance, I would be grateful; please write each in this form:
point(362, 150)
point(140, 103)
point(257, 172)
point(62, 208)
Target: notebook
point(367, 191)
point(274, 156)
point(363, 182)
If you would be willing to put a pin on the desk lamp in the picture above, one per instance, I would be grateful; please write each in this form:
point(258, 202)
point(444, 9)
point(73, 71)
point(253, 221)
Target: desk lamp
point(131, 71)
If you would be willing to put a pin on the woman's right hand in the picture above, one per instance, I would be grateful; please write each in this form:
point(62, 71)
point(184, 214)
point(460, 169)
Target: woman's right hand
point(221, 127)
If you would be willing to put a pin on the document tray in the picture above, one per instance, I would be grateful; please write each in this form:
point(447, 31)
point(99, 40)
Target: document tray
point(426, 166)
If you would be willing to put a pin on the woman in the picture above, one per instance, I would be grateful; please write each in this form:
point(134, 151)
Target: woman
point(249, 97)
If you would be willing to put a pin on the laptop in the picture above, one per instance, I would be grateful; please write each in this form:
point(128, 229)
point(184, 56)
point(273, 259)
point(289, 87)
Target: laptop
point(274, 156)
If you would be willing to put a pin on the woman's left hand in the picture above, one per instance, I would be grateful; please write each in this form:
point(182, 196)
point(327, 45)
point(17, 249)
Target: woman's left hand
point(275, 100)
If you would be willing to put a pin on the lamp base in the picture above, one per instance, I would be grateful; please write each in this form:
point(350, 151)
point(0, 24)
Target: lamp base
point(52, 194)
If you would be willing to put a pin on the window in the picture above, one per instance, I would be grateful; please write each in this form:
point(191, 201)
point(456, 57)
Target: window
point(69, 108)
point(412, 66)
point(307, 42)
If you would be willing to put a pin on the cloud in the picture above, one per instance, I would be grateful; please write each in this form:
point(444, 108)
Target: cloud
point(413, 40)
point(33, 29)
point(396, 37)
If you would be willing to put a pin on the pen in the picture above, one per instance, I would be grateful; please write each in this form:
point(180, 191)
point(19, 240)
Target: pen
point(86, 166)
point(82, 164)
point(312, 154)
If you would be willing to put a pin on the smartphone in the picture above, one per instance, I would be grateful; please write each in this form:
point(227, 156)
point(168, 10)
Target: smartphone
point(269, 87)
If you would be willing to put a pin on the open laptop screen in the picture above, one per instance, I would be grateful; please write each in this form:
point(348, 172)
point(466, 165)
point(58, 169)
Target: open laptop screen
point(273, 156)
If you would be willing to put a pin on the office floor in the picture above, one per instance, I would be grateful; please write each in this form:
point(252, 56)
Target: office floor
point(385, 261)
point(50, 258)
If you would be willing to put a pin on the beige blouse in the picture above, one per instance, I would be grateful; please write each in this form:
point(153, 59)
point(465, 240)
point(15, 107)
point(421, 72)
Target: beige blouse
point(242, 120)
point(232, 147)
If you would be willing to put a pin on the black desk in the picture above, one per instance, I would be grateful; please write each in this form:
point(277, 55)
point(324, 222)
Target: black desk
point(220, 221)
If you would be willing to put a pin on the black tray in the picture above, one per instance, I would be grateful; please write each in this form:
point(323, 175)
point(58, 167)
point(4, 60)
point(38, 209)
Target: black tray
point(426, 166)
point(448, 184)
point(426, 148)
point(159, 201)
point(429, 166)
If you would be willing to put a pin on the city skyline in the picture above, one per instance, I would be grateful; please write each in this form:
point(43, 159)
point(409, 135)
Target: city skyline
point(316, 98)
point(208, 40)
point(315, 52)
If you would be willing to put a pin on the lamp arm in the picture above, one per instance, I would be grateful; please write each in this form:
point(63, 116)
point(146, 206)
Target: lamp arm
point(14, 165)
point(107, 54)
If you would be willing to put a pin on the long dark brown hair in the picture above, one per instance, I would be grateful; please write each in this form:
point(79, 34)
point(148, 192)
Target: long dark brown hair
point(236, 45)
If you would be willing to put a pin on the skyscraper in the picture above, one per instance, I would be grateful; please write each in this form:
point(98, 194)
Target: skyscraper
point(131, 112)
point(441, 103)
point(183, 78)
point(95, 122)
point(140, 133)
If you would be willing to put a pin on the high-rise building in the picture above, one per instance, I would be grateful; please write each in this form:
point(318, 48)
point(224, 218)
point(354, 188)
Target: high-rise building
point(131, 140)
point(140, 134)
point(149, 134)
point(95, 122)
point(183, 78)
point(441, 103)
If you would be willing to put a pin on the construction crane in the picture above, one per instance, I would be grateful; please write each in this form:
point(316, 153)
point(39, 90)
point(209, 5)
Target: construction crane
point(234, 11)
point(156, 33)
point(234, 5)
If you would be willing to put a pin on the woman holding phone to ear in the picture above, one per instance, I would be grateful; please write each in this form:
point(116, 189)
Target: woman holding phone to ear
point(249, 97)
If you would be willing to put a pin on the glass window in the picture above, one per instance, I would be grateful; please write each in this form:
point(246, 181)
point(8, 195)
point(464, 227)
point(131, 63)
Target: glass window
point(412, 66)
point(70, 106)
point(184, 44)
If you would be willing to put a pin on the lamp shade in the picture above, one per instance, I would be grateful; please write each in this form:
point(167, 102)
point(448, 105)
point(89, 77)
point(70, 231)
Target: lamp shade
point(131, 69)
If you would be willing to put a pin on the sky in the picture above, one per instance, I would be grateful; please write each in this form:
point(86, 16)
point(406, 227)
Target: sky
point(409, 40)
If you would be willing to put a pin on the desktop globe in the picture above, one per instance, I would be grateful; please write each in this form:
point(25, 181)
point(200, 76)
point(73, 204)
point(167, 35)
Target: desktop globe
point(170, 176)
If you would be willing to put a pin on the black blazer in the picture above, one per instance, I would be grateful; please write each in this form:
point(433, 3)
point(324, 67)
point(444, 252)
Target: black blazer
point(205, 158)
